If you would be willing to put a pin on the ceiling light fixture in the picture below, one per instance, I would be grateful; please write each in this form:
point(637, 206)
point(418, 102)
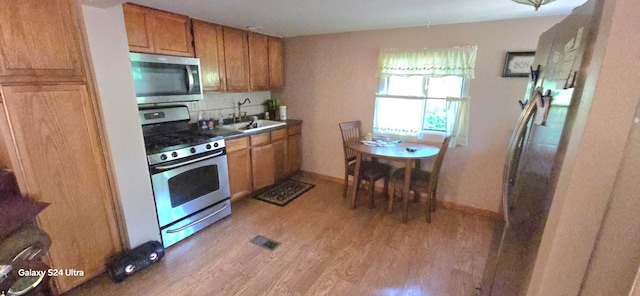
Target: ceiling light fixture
point(534, 3)
point(254, 28)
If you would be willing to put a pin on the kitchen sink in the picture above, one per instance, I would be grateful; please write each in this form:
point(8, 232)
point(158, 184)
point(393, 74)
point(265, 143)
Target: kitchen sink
point(261, 124)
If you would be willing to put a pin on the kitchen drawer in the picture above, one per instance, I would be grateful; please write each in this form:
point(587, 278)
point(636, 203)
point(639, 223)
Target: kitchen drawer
point(279, 134)
point(260, 139)
point(199, 221)
point(237, 144)
point(295, 129)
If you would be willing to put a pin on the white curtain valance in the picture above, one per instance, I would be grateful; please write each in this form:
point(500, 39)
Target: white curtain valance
point(458, 61)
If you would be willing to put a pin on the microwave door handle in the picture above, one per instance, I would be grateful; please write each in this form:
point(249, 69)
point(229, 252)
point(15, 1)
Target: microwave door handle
point(190, 79)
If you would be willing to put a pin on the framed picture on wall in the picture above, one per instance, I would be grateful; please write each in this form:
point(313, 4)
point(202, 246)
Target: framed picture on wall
point(518, 63)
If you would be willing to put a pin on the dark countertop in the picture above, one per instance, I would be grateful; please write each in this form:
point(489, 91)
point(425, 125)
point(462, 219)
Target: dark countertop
point(231, 134)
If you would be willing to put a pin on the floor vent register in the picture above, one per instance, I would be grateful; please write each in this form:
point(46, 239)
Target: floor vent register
point(265, 242)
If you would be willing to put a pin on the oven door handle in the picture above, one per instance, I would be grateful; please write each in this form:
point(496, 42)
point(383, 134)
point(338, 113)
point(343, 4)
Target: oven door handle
point(173, 166)
point(226, 205)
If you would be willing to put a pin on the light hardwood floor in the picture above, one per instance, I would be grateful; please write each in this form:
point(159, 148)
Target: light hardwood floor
point(326, 249)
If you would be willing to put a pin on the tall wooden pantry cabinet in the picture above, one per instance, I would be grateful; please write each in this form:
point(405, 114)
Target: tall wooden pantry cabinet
point(51, 135)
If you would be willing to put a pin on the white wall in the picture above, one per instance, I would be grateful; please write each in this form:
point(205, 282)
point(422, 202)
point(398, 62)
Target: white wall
point(616, 255)
point(635, 289)
point(331, 79)
point(110, 56)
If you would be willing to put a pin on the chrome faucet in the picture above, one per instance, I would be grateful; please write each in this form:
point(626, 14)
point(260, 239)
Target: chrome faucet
point(240, 104)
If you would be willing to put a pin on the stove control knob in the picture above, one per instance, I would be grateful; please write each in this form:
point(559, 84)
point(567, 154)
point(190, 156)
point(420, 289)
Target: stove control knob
point(163, 157)
point(208, 146)
point(193, 150)
point(174, 154)
point(215, 145)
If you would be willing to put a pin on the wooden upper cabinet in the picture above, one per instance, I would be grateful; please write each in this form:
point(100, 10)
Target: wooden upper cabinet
point(137, 20)
point(155, 31)
point(236, 59)
point(232, 60)
point(258, 62)
point(208, 41)
point(173, 35)
point(276, 63)
point(40, 41)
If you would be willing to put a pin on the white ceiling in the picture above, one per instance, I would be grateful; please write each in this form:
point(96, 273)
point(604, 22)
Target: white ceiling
point(289, 18)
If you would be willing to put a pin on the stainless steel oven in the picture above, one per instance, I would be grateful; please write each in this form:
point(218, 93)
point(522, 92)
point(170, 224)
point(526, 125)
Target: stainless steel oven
point(191, 186)
point(183, 188)
point(188, 172)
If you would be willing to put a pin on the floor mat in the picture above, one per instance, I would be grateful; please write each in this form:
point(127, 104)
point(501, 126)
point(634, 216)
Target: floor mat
point(284, 192)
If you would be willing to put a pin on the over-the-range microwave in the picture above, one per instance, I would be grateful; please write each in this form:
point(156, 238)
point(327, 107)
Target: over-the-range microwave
point(163, 79)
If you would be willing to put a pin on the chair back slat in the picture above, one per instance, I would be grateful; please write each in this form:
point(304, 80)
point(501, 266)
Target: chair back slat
point(435, 172)
point(349, 130)
point(349, 154)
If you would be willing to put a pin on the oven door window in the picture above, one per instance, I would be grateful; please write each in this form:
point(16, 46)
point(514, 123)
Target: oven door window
point(184, 188)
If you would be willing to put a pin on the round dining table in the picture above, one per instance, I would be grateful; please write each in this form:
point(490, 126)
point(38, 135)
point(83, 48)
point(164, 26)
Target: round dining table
point(407, 152)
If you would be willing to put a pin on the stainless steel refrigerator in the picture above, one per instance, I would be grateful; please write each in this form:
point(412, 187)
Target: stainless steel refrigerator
point(537, 148)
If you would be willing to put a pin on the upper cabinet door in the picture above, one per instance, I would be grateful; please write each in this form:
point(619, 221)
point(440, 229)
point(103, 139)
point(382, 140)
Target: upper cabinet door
point(155, 31)
point(236, 59)
point(209, 47)
point(138, 23)
point(39, 41)
point(276, 63)
point(172, 34)
point(258, 62)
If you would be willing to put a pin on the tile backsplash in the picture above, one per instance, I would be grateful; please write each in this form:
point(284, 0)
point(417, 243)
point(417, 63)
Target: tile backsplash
point(226, 104)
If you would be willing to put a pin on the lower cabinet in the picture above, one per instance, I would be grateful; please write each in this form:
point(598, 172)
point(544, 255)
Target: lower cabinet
point(50, 138)
point(279, 143)
point(259, 160)
point(239, 163)
point(294, 146)
point(263, 166)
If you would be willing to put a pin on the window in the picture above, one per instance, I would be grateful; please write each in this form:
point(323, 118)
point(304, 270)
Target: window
point(406, 105)
point(425, 91)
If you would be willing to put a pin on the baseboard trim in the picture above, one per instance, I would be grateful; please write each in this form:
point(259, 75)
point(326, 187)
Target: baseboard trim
point(469, 210)
point(323, 177)
point(443, 204)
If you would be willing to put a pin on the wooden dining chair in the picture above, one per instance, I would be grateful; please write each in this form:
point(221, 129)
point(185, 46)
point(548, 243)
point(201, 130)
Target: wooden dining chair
point(421, 181)
point(370, 170)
